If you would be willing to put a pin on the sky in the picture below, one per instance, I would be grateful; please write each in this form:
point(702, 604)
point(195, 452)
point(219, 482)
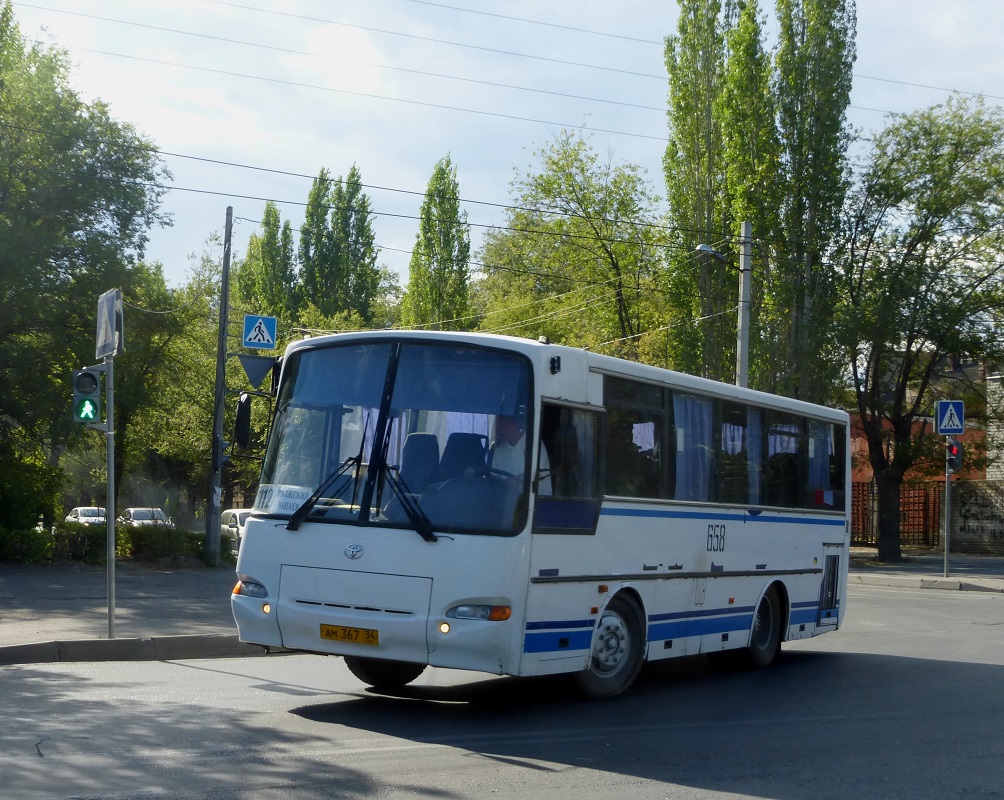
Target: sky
point(248, 100)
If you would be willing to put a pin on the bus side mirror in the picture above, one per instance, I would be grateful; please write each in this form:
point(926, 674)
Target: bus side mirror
point(242, 422)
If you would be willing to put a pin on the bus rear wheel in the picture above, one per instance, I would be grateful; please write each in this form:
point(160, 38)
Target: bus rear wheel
point(765, 638)
point(383, 674)
point(615, 656)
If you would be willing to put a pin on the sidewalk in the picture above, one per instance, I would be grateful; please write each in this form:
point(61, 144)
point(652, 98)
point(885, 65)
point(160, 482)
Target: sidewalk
point(60, 612)
point(925, 569)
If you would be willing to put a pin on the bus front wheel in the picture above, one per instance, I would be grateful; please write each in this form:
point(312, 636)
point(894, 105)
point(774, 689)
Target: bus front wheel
point(615, 657)
point(765, 638)
point(383, 674)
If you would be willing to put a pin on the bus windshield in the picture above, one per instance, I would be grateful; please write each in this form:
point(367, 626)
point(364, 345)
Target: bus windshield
point(420, 435)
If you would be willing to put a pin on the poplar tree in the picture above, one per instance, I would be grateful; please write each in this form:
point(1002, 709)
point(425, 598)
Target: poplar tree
point(751, 151)
point(812, 87)
point(438, 271)
point(338, 251)
point(694, 168)
point(267, 280)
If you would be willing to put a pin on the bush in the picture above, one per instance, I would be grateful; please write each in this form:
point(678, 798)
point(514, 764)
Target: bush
point(75, 542)
point(71, 541)
point(29, 546)
point(151, 543)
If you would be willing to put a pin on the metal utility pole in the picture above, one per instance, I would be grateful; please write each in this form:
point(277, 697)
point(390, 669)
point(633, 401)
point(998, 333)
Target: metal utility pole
point(109, 342)
point(743, 328)
point(110, 499)
point(212, 538)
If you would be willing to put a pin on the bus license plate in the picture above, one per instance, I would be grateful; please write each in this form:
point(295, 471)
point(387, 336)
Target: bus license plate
point(339, 633)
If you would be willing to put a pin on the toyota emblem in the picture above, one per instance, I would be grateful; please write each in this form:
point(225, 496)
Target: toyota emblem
point(354, 551)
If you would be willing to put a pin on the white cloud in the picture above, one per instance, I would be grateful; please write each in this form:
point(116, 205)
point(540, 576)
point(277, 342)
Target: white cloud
point(316, 94)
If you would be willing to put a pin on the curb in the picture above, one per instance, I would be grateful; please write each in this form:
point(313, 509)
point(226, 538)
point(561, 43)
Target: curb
point(920, 582)
point(158, 648)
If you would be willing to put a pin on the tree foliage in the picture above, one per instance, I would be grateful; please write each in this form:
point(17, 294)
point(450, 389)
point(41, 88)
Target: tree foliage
point(920, 282)
point(758, 139)
point(576, 259)
point(815, 56)
point(694, 167)
point(338, 252)
point(78, 193)
point(266, 280)
point(437, 292)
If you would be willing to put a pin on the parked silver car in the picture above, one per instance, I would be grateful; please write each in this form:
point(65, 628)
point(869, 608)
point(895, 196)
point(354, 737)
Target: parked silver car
point(86, 515)
point(232, 525)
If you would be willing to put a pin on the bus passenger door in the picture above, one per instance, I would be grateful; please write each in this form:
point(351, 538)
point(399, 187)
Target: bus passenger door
point(829, 599)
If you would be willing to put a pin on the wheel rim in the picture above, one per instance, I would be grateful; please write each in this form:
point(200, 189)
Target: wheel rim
point(763, 624)
point(611, 644)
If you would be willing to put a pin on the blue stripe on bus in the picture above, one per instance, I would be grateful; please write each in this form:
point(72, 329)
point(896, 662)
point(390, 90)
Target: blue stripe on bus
point(557, 641)
point(711, 612)
point(700, 626)
point(547, 624)
point(717, 515)
point(552, 636)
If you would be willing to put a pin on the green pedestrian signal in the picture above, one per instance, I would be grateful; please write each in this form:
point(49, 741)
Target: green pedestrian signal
point(85, 411)
point(87, 395)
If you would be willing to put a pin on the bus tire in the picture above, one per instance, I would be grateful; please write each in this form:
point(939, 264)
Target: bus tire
point(383, 674)
point(616, 653)
point(765, 637)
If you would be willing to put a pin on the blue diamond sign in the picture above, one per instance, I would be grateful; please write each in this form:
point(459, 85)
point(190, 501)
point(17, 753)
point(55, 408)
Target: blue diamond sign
point(949, 417)
point(259, 332)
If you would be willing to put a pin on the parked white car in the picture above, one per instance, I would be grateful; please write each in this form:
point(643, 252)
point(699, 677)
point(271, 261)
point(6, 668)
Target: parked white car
point(232, 525)
point(137, 517)
point(86, 515)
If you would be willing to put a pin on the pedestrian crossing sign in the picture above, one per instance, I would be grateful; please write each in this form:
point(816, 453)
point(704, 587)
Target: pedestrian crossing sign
point(949, 417)
point(259, 332)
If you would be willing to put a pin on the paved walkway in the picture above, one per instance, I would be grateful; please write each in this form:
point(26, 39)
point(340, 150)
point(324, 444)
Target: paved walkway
point(60, 612)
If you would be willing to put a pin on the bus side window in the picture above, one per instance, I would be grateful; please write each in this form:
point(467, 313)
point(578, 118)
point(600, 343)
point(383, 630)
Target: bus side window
point(567, 465)
point(785, 475)
point(733, 467)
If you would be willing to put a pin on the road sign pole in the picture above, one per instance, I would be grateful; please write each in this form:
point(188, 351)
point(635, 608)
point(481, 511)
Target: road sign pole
point(110, 487)
point(948, 506)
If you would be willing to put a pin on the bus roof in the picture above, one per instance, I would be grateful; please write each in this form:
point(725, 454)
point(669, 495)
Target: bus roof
point(541, 350)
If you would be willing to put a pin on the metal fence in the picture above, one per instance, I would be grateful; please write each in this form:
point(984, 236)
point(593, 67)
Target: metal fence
point(919, 514)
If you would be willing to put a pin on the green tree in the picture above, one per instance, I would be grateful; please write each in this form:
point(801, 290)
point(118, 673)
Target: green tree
point(813, 65)
point(78, 193)
point(576, 259)
point(338, 251)
point(437, 290)
point(266, 280)
point(751, 150)
point(919, 280)
point(694, 171)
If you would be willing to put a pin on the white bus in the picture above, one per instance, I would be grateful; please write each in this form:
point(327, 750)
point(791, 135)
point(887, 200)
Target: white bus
point(516, 507)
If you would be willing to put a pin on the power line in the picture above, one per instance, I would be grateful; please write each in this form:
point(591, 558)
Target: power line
point(308, 54)
point(372, 96)
point(606, 34)
point(448, 42)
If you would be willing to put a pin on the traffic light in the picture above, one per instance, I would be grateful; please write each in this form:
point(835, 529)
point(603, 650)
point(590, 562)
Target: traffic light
point(220, 456)
point(87, 395)
point(953, 454)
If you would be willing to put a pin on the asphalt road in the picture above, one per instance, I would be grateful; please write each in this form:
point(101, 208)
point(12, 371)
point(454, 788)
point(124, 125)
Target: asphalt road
point(904, 701)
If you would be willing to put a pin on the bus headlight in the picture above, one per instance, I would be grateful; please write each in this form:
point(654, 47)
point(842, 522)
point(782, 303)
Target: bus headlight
point(248, 587)
point(472, 611)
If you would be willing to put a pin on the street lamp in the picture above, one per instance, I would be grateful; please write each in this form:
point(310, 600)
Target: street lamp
point(745, 267)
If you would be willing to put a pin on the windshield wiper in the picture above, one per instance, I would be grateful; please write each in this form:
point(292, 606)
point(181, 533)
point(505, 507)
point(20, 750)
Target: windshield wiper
point(301, 513)
point(416, 516)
